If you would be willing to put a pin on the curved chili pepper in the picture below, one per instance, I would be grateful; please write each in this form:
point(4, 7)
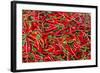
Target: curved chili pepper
point(71, 51)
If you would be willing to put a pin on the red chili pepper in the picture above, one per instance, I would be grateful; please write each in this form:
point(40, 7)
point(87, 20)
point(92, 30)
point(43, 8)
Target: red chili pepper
point(27, 47)
point(77, 46)
point(40, 49)
point(71, 51)
point(55, 36)
point(50, 29)
point(34, 26)
point(50, 49)
point(37, 57)
point(57, 52)
point(48, 58)
point(26, 29)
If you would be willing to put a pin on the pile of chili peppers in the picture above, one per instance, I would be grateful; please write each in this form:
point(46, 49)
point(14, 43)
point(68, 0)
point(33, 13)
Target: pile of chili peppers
point(55, 36)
